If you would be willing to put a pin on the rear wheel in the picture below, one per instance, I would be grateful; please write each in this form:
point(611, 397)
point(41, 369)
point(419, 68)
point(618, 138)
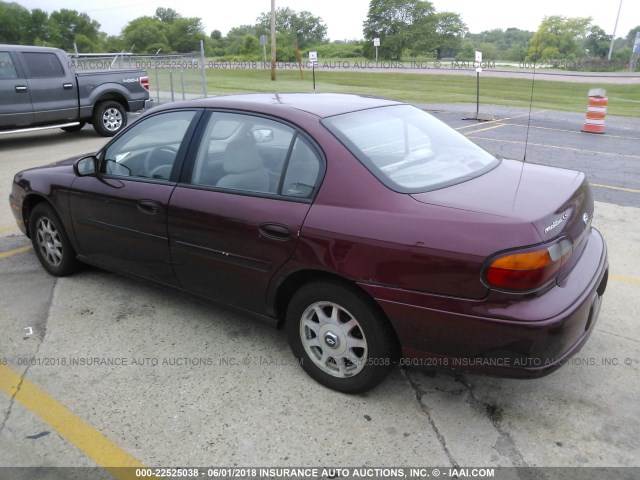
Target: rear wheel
point(341, 339)
point(51, 243)
point(109, 117)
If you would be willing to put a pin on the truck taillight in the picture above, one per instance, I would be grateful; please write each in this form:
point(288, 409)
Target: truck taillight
point(144, 81)
point(529, 269)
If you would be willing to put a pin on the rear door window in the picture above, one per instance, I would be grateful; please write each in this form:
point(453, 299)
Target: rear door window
point(43, 65)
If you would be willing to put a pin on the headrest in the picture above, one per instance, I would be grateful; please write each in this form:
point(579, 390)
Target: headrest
point(241, 156)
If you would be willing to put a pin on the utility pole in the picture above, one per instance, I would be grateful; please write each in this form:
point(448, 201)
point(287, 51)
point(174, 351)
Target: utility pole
point(613, 37)
point(273, 40)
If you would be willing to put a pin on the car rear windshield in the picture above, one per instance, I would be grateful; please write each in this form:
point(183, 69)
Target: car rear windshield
point(409, 150)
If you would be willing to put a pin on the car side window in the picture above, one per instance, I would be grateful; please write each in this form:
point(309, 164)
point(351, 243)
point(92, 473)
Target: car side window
point(303, 170)
point(242, 152)
point(43, 65)
point(7, 68)
point(149, 148)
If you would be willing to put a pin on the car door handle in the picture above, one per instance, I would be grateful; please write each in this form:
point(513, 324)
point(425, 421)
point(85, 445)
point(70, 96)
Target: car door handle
point(67, 86)
point(149, 206)
point(21, 88)
point(275, 231)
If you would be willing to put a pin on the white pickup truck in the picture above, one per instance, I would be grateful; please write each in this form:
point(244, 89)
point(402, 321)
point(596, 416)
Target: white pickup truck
point(39, 88)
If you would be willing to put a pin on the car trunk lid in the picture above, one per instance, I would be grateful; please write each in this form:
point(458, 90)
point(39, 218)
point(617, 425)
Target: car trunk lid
point(557, 202)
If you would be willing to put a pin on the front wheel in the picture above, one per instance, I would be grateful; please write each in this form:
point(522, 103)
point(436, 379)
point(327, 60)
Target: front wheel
point(51, 243)
point(340, 337)
point(109, 118)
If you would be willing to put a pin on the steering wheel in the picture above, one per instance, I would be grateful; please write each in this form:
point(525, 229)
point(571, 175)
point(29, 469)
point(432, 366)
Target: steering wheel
point(161, 172)
point(159, 156)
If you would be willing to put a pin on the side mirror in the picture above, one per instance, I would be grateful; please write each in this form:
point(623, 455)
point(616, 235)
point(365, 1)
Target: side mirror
point(87, 166)
point(262, 135)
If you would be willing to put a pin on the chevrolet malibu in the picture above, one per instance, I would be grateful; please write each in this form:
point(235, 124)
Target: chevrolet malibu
point(373, 232)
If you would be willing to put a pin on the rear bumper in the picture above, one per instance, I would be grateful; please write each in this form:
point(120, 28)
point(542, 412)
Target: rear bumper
point(525, 337)
point(138, 105)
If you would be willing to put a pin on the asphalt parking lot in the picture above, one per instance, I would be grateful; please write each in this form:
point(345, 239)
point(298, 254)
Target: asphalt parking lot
point(98, 370)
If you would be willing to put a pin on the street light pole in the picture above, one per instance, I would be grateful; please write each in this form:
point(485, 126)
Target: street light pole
point(613, 37)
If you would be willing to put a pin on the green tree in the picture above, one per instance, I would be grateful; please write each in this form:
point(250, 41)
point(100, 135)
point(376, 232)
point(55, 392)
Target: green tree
point(65, 25)
point(146, 35)
point(399, 24)
point(185, 34)
point(558, 38)
point(293, 28)
point(450, 30)
point(167, 31)
point(84, 44)
point(489, 51)
point(111, 43)
point(234, 41)
point(510, 44)
point(39, 31)
point(13, 19)
point(250, 45)
point(597, 42)
point(167, 15)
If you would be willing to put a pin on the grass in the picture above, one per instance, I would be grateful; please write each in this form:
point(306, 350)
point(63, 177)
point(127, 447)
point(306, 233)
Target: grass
point(624, 100)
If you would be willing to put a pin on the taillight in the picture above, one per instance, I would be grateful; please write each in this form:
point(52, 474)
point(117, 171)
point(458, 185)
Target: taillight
point(528, 269)
point(144, 81)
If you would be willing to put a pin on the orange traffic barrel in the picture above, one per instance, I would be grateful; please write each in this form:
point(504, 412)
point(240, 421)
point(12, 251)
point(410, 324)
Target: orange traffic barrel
point(596, 111)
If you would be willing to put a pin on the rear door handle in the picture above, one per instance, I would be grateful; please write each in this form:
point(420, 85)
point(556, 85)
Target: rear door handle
point(149, 206)
point(21, 88)
point(275, 231)
point(67, 86)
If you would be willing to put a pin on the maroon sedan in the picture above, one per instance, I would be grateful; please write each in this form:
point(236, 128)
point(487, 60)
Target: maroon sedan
point(375, 233)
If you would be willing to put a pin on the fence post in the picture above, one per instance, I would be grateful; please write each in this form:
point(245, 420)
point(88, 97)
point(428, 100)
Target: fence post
point(157, 81)
point(202, 69)
point(182, 84)
point(171, 85)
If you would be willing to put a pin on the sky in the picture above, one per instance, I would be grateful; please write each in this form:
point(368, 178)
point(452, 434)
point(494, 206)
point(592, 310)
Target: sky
point(344, 17)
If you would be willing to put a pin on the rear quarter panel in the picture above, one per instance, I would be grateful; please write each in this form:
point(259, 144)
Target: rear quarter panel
point(359, 229)
point(123, 84)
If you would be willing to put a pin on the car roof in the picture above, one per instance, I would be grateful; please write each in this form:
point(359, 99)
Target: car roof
point(28, 48)
point(318, 104)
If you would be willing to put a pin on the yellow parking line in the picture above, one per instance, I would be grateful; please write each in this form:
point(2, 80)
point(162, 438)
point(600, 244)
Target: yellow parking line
point(611, 154)
point(579, 132)
point(15, 251)
point(502, 119)
point(622, 189)
point(488, 128)
point(96, 446)
point(625, 279)
point(6, 229)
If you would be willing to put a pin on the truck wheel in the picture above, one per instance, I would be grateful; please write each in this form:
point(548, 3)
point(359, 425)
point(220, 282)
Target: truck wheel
point(75, 128)
point(109, 117)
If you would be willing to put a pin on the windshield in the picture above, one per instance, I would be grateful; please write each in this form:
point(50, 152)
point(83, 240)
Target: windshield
point(409, 150)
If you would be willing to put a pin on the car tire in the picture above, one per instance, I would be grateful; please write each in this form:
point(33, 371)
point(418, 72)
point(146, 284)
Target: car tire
point(51, 243)
point(340, 337)
point(109, 117)
point(75, 128)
